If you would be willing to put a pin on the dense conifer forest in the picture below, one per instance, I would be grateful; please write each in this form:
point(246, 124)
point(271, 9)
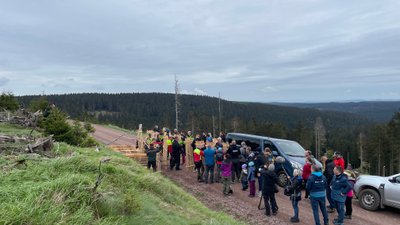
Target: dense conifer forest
point(336, 131)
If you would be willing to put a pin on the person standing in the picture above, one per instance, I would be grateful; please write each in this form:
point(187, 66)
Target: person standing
point(183, 147)
point(243, 177)
point(295, 187)
point(252, 179)
point(328, 173)
point(219, 157)
point(176, 154)
point(340, 188)
point(169, 149)
point(259, 162)
point(269, 180)
point(316, 185)
point(349, 196)
point(226, 169)
point(152, 156)
point(197, 158)
point(234, 154)
point(338, 159)
point(306, 174)
point(209, 155)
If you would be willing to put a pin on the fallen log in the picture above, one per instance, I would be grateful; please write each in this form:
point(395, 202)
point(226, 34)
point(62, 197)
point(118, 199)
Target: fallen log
point(42, 144)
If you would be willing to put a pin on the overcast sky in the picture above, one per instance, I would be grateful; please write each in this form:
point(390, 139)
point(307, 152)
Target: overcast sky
point(266, 51)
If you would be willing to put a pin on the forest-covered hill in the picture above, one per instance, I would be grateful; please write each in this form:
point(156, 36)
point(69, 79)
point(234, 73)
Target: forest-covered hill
point(337, 131)
point(196, 112)
point(380, 111)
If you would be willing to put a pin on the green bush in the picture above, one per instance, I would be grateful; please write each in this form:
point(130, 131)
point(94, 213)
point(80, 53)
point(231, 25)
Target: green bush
point(56, 124)
point(8, 101)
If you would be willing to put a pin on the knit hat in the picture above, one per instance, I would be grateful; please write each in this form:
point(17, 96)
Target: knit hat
point(244, 166)
point(251, 164)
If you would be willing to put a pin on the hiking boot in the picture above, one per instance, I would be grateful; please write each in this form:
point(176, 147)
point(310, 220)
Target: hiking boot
point(330, 210)
point(348, 217)
point(274, 213)
point(267, 214)
point(294, 220)
point(252, 196)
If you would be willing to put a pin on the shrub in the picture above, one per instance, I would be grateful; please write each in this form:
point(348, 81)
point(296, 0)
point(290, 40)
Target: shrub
point(8, 101)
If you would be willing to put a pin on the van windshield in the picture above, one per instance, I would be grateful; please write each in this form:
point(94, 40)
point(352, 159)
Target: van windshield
point(291, 148)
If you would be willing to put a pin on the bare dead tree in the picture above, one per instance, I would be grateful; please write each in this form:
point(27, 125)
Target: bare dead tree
point(177, 104)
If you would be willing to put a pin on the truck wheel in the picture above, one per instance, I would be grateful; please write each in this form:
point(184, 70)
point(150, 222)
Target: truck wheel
point(282, 179)
point(370, 199)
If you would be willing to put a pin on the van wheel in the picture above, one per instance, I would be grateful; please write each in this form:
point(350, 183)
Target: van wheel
point(282, 179)
point(369, 199)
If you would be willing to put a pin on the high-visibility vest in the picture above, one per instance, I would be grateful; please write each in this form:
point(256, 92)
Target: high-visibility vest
point(169, 142)
point(197, 155)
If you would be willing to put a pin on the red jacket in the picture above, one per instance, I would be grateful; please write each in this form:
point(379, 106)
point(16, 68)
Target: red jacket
point(197, 155)
point(339, 162)
point(306, 171)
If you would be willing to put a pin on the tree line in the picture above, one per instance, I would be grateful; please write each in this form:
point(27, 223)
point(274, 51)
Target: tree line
point(323, 132)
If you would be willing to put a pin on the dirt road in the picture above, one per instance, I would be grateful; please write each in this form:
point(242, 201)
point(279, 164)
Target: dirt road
point(240, 206)
point(108, 135)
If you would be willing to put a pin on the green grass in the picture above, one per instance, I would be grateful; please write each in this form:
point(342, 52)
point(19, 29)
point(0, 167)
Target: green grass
point(15, 130)
point(59, 191)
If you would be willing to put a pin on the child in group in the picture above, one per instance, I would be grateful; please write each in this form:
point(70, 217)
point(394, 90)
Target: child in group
point(349, 196)
point(295, 197)
point(226, 173)
point(252, 179)
point(243, 177)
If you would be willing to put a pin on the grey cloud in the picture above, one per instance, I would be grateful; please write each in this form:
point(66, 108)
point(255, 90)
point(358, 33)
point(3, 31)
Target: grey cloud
point(288, 50)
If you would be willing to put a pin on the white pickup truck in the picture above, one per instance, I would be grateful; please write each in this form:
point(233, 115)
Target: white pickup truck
point(376, 192)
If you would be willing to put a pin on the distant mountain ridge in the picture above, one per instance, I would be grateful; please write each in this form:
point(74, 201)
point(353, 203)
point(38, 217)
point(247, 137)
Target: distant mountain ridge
point(379, 111)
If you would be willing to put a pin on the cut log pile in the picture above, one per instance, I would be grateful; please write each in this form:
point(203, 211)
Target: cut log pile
point(15, 144)
point(21, 144)
point(21, 117)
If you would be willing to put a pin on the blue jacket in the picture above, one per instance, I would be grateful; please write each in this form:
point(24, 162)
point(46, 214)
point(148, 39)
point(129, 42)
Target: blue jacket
point(316, 185)
point(340, 187)
point(209, 154)
point(251, 174)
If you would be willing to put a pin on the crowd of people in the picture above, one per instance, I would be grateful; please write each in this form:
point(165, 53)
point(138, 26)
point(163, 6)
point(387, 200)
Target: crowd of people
point(242, 164)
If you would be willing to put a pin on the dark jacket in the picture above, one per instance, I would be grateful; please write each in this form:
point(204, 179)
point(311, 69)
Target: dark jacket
point(152, 154)
point(259, 162)
point(269, 179)
point(340, 187)
point(176, 148)
point(234, 152)
point(316, 185)
point(295, 186)
point(328, 173)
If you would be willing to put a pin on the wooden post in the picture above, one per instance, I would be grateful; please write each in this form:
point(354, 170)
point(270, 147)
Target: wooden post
point(165, 150)
point(189, 152)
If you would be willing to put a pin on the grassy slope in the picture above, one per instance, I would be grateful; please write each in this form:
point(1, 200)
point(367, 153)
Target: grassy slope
point(59, 191)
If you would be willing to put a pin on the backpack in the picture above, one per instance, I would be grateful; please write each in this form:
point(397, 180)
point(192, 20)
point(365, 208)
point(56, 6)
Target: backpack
point(219, 156)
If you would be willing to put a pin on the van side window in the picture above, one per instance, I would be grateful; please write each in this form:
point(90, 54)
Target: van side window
point(270, 146)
